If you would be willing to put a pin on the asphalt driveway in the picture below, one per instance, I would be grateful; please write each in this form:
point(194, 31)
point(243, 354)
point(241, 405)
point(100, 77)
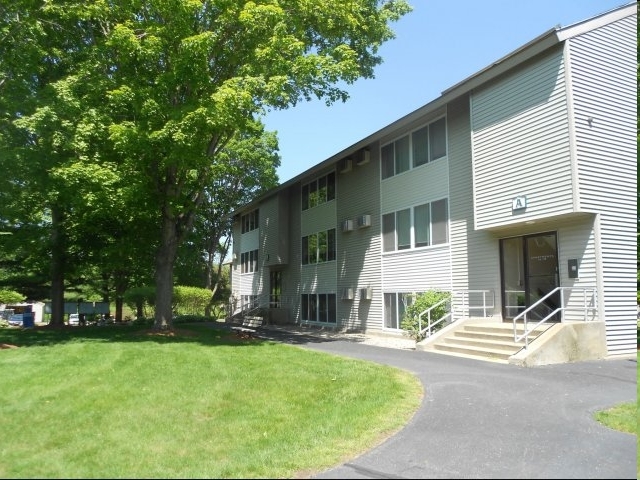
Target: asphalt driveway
point(488, 420)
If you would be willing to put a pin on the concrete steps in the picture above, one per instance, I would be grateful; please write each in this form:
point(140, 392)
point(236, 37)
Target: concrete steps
point(491, 341)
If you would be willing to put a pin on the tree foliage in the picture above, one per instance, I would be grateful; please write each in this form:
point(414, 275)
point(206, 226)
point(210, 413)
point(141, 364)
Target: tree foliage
point(122, 111)
point(416, 318)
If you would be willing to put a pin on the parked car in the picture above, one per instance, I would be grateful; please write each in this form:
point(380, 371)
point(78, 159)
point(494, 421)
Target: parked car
point(74, 319)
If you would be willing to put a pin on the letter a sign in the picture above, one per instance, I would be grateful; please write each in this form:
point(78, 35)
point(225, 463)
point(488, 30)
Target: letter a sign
point(519, 203)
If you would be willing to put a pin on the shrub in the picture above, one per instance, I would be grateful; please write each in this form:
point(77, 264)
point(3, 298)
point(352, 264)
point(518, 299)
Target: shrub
point(11, 296)
point(423, 301)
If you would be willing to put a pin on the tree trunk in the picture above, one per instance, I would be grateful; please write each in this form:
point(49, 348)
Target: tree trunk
point(165, 258)
point(58, 264)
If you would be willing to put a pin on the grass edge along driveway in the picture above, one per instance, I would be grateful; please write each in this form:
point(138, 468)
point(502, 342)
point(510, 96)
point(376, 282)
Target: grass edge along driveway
point(122, 402)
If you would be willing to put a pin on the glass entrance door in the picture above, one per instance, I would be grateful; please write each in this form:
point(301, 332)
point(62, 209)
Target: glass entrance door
point(529, 270)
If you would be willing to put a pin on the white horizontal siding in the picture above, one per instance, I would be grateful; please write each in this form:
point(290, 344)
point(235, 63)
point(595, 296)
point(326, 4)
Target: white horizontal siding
point(520, 136)
point(603, 76)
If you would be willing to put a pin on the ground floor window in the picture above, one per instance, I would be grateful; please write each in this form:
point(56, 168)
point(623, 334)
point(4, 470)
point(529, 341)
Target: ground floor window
point(395, 304)
point(318, 307)
point(249, 301)
point(275, 289)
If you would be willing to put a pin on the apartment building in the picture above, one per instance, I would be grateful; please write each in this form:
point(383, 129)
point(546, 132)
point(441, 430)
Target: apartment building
point(515, 190)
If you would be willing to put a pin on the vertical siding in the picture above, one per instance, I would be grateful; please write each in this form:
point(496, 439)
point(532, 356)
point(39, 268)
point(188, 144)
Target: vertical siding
point(358, 251)
point(603, 77)
point(521, 144)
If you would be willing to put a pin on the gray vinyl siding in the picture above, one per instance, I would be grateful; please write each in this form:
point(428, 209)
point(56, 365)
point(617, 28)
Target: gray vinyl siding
point(576, 239)
point(521, 143)
point(474, 254)
point(423, 184)
point(291, 280)
point(358, 251)
point(250, 283)
point(603, 67)
point(418, 270)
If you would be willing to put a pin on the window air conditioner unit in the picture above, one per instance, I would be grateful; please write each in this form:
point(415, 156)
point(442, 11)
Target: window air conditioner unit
point(364, 221)
point(366, 293)
point(346, 165)
point(364, 158)
point(347, 294)
point(347, 225)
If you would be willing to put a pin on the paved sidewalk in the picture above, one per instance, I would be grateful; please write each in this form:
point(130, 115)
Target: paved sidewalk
point(488, 420)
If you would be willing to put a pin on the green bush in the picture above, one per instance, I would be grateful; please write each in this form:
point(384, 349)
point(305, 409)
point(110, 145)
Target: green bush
point(190, 300)
point(11, 296)
point(423, 301)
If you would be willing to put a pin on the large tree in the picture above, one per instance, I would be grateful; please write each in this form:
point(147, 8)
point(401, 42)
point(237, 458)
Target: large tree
point(172, 81)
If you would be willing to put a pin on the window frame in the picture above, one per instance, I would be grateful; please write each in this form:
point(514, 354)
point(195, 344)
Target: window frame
point(318, 247)
point(319, 308)
point(392, 163)
point(318, 191)
point(441, 237)
point(250, 221)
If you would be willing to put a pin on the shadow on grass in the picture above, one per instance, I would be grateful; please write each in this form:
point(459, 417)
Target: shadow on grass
point(206, 333)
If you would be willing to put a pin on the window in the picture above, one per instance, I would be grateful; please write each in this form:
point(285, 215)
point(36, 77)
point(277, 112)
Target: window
point(395, 304)
point(410, 151)
point(320, 307)
point(428, 226)
point(275, 289)
point(319, 247)
point(249, 221)
point(319, 191)
point(249, 261)
point(249, 301)
point(403, 228)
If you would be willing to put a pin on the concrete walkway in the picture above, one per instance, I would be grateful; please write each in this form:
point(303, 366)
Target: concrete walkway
point(488, 420)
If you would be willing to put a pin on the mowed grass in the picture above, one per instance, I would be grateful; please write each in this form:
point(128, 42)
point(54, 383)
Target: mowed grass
point(120, 402)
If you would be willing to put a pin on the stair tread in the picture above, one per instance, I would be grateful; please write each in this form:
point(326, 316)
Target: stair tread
point(481, 342)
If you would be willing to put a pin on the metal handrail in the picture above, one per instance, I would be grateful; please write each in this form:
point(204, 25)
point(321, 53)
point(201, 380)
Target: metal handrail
point(561, 309)
point(421, 331)
point(465, 306)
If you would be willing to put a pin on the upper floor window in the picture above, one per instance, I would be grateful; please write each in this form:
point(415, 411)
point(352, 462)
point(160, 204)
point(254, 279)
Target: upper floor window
point(249, 221)
point(417, 148)
point(319, 191)
point(319, 247)
point(249, 261)
point(420, 226)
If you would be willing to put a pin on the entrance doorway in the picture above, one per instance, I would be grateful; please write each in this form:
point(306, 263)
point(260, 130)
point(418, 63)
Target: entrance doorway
point(529, 270)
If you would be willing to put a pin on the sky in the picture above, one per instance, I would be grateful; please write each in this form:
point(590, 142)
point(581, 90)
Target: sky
point(438, 44)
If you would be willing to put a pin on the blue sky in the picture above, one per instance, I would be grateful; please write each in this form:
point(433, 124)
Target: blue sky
point(438, 44)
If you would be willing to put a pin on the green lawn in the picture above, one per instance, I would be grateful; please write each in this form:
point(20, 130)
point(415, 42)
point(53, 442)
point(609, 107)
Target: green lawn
point(116, 402)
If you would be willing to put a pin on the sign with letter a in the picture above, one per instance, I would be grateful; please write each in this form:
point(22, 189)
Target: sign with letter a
point(519, 203)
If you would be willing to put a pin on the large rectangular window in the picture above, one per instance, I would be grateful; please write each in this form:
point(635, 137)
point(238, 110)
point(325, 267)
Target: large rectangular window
point(319, 191)
point(395, 304)
point(429, 225)
point(318, 307)
point(421, 146)
point(319, 247)
point(249, 261)
point(249, 221)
